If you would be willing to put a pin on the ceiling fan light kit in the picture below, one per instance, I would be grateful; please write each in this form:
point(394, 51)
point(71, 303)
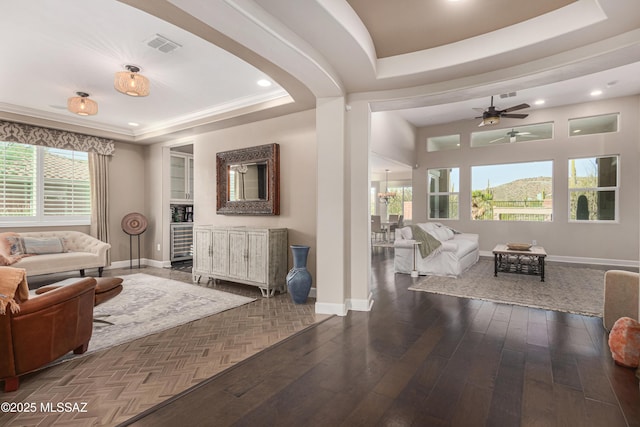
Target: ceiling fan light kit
point(130, 82)
point(82, 105)
point(491, 115)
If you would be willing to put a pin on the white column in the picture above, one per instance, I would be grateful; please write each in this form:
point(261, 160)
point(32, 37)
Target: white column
point(359, 220)
point(331, 238)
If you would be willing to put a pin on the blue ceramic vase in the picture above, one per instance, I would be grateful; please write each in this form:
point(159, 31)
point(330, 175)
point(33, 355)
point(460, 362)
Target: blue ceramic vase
point(299, 279)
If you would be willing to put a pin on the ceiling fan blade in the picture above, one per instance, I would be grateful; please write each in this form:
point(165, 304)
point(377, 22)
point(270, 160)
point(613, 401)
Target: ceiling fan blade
point(496, 140)
point(479, 110)
point(515, 116)
point(516, 107)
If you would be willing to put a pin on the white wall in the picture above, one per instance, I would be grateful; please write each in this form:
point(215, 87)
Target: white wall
point(592, 242)
point(296, 135)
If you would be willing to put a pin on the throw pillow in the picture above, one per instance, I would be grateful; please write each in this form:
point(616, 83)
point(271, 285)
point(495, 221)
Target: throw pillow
point(40, 246)
point(15, 245)
point(5, 244)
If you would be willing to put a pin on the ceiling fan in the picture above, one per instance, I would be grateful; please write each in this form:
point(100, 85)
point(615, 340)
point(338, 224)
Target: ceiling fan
point(491, 115)
point(513, 135)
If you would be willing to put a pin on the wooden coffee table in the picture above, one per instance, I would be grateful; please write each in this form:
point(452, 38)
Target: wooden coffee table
point(529, 261)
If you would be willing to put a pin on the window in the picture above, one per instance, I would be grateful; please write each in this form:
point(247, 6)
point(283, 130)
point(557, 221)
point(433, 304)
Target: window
point(443, 143)
point(592, 125)
point(512, 192)
point(512, 135)
point(401, 204)
point(593, 189)
point(43, 185)
point(443, 188)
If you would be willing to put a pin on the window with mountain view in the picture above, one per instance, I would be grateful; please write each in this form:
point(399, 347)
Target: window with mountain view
point(43, 185)
point(593, 189)
point(443, 187)
point(512, 192)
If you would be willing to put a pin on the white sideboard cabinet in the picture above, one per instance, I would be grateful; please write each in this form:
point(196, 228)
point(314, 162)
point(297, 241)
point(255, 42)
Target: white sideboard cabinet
point(253, 256)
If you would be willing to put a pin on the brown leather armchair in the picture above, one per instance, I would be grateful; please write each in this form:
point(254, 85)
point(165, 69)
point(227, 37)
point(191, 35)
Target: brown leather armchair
point(47, 327)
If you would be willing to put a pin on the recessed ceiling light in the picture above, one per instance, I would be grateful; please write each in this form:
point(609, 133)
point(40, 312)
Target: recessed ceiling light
point(133, 124)
point(264, 83)
point(577, 131)
point(596, 92)
point(539, 102)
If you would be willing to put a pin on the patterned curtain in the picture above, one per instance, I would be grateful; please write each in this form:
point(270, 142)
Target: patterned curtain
point(36, 135)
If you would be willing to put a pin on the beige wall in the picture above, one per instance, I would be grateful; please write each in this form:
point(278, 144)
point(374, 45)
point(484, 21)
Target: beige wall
point(126, 194)
point(297, 138)
point(613, 241)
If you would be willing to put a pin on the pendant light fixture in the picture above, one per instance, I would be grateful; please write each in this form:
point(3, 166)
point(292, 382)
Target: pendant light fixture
point(387, 195)
point(82, 105)
point(130, 82)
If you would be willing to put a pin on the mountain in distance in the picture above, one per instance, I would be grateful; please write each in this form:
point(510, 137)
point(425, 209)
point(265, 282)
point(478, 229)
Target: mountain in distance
point(523, 189)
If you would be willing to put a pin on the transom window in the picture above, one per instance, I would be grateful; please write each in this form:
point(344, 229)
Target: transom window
point(43, 185)
point(593, 189)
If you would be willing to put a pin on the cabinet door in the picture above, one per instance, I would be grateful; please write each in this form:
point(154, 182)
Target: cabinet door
point(238, 254)
point(178, 177)
point(202, 250)
point(257, 259)
point(220, 252)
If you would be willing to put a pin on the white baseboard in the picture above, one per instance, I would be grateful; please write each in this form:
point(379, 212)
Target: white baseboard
point(360, 304)
point(143, 262)
point(326, 308)
point(343, 309)
point(583, 260)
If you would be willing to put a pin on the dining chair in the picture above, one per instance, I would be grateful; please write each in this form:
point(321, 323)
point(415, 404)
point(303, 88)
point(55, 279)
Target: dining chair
point(394, 223)
point(376, 227)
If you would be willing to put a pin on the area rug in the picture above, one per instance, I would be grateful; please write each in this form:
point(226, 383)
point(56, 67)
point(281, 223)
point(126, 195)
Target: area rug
point(569, 289)
point(148, 305)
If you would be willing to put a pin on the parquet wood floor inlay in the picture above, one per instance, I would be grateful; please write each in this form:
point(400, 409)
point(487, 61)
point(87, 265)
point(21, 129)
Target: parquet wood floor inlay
point(122, 381)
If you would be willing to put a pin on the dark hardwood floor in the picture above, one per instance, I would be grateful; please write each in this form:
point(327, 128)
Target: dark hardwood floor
point(421, 359)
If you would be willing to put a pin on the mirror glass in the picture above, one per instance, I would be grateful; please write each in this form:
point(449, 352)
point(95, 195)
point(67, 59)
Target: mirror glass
point(248, 181)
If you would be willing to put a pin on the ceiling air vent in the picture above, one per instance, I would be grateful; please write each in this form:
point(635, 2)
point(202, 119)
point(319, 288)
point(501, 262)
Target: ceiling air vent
point(508, 95)
point(162, 44)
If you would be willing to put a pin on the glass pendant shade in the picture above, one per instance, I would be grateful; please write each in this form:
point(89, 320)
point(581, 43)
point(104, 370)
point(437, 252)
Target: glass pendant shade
point(131, 83)
point(82, 105)
point(491, 120)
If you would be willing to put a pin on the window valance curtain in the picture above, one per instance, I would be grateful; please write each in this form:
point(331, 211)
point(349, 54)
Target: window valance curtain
point(36, 135)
